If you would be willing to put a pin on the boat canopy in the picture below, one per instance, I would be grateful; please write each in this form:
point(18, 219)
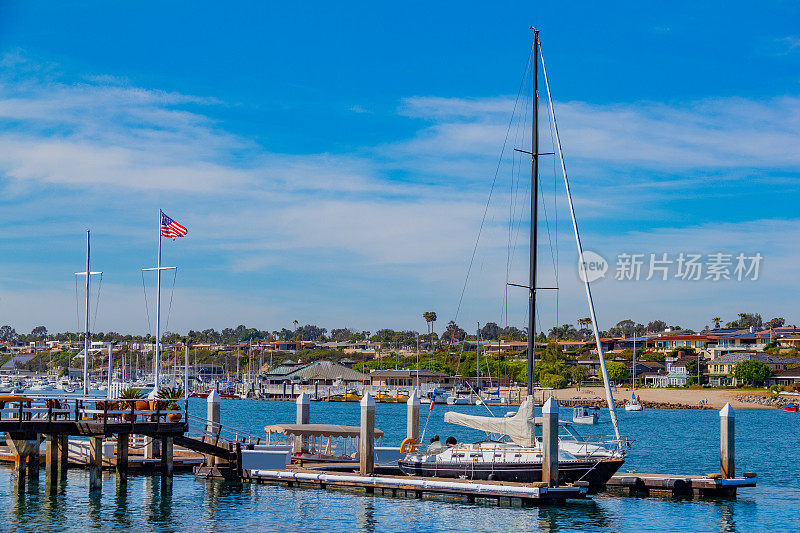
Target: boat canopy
point(519, 428)
point(318, 430)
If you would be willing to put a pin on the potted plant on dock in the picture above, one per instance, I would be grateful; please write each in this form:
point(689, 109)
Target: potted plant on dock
point(132, 394)
point(171, 395)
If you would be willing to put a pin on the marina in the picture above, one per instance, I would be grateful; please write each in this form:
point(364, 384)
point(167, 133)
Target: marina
point(493, 268)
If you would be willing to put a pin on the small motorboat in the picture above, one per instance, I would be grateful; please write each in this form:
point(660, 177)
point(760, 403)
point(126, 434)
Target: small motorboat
point(585, 414)
point(791, 408)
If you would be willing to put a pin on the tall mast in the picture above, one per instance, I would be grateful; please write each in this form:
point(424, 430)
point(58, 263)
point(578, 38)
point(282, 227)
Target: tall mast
point(534, 210)
point(86, 332)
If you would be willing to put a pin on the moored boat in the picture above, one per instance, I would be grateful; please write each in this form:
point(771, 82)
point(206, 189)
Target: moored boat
point(513, 452)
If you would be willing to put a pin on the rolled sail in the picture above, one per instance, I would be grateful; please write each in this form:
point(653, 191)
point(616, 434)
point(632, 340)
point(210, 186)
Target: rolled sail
point(519, 428)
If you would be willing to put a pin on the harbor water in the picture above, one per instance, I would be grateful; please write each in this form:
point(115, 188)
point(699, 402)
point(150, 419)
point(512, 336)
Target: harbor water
point(664, 441)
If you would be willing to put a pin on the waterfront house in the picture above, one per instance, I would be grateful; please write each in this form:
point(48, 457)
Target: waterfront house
point(674, 374)
point(720, 369)
point(666, 343)
point(790, 376)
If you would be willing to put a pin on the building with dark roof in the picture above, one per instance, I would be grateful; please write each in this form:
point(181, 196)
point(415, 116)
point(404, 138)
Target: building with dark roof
point(322, 372)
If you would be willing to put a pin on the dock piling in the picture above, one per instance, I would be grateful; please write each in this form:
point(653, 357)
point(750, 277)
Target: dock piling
point(303, 417)
point(366, 445)
point(122, 458)
point(51, 459)
point(63, 455)
point(95, 463)
point(213, 419)
point(166, 458)
point(34, 459)
point(412, 416)
point(550, 442)
point(727, 455)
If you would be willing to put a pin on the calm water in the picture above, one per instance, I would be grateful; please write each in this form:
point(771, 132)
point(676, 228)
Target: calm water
point(679, 441)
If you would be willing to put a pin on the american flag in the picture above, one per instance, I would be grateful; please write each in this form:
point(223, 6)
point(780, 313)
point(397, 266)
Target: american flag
point(171, 229)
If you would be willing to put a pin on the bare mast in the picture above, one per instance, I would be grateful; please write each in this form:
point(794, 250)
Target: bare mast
point(534, 213)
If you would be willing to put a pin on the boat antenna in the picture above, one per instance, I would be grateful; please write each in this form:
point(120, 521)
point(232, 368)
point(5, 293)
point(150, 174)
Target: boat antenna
point(582, 264)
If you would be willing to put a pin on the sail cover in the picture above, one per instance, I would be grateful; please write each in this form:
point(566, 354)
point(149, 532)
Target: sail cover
point(519, 428)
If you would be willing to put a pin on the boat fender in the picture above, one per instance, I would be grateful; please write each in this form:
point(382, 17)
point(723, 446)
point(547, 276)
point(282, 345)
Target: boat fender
point(408, 445)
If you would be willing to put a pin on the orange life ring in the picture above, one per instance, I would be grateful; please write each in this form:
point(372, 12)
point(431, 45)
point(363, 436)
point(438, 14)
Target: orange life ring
point(409, 445)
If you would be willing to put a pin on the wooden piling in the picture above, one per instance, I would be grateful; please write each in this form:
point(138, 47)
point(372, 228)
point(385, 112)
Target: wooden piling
point(412, 417)
point(95, 463)
point(151, 448)
point(63, 455)
point(51, 459)
point(123, 441)
point(550, 443)
point(727, 450)
point(34, 461)
point(166, 457)
point(303, 417)
point(366, 445)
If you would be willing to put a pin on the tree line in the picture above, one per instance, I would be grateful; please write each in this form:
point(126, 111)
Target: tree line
point(452, 334)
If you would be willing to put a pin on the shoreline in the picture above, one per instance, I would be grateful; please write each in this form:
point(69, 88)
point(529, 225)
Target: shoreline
point(671, 398)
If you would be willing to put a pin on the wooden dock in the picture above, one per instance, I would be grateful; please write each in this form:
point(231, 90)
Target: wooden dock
point(681, 485)
point(410, 486)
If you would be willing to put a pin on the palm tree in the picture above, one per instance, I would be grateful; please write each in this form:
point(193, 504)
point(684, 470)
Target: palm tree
point(430, 318)
point(716, 320)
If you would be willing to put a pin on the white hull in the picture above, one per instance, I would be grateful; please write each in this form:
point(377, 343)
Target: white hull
point(633, 407)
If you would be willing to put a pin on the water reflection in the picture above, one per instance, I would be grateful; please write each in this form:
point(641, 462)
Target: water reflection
point(121, 512)
point(95, 507)
point(159, 498)
point(365, 514)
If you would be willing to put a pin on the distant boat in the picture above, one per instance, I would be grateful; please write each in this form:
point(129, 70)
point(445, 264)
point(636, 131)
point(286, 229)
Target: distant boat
point(633, 404)
point(585, 414)
point(791, 408)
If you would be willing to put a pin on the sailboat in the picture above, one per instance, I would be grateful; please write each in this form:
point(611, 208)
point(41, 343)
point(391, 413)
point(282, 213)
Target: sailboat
point(513, 450)
point(633, 404)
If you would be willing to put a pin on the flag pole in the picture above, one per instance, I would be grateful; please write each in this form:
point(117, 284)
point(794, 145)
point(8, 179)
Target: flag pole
point(157, 360)
point(86, 334)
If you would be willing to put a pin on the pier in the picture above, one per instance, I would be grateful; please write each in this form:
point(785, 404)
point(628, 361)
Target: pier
point(97, 425)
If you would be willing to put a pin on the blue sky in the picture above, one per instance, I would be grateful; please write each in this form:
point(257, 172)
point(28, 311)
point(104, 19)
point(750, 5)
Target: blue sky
point(332, 162)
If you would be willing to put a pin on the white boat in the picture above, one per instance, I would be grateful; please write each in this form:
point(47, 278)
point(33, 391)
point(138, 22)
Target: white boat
point(585, 414)
point(633, 404)
point(457, 400)
point(513, 452)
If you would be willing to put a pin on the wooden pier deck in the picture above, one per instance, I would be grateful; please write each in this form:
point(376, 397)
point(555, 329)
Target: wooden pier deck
point(409, 486)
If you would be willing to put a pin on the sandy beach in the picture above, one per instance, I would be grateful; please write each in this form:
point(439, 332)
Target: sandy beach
point(715, 398)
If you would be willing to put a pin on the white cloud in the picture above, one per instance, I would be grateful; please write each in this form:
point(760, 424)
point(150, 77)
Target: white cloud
point(340, 230)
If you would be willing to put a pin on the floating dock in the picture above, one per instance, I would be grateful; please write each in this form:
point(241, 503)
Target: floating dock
point(681, 485)
point(411, 486)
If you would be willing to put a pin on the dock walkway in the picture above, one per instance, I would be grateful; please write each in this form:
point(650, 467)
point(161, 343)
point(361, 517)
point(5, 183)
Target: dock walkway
point(417, 487)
